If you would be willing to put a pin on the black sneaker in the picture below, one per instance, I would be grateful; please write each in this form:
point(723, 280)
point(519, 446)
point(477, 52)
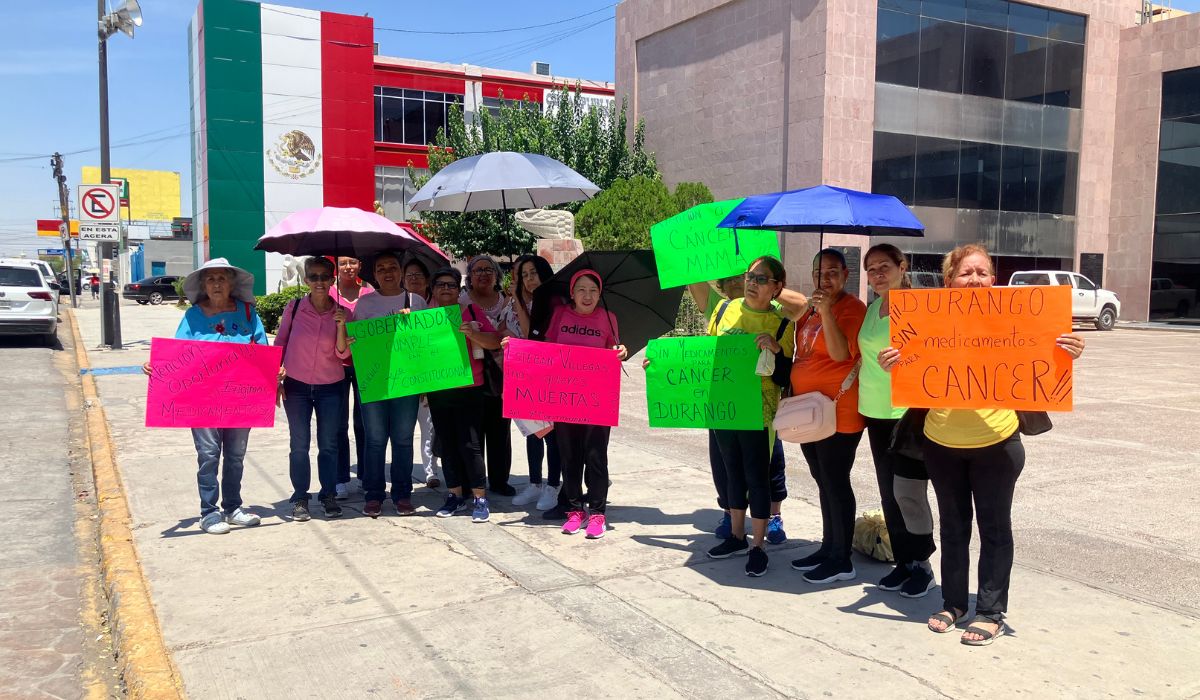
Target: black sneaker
point(728, 548)
point(300, 512)
point(332, 509)
point(503, 490)
point(896, 579)
point(555, 513)
point(757, 565)
point(831, 571)
point(920, 583)
point(810, 562)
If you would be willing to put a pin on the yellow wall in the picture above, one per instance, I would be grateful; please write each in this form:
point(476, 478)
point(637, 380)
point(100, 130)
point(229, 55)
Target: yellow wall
point(153, 194)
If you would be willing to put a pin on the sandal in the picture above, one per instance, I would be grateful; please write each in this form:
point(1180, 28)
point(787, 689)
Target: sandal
point(947, 617)
point(988, 637)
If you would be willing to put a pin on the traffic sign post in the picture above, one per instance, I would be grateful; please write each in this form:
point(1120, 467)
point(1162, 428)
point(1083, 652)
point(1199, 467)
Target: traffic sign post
point(100, 220)
point(100, 213)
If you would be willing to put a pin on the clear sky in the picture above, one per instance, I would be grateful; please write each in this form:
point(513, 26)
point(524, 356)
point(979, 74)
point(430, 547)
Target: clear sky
point(48, 74)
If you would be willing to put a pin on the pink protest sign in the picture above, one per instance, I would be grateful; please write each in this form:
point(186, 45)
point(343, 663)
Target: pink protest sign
point(561, 383)
point(202, 384)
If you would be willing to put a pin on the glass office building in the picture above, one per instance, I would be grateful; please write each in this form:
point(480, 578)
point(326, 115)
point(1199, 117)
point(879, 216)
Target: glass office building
point(1177, 204)
point(977, 125)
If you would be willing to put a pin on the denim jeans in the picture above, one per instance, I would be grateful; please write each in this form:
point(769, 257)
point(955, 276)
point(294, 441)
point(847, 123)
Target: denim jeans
point(299, 402)
point(210, 444)
point(351, 415)
point(389, 420)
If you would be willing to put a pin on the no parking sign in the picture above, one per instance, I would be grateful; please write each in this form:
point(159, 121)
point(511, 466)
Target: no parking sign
point(99, 213)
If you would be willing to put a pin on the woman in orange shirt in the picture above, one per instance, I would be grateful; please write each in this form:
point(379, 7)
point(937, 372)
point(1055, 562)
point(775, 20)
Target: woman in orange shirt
point(826, 354)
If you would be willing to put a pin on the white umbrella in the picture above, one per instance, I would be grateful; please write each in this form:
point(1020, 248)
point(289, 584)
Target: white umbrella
point(502, 180)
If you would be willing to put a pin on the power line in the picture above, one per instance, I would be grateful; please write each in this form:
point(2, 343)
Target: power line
point(502, 53)
point(497, 31)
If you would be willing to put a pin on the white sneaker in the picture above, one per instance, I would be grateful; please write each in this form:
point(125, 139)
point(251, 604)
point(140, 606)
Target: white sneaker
point(549, 497)
point(528, 495)
point(341, 492)
point(242, 518)
point(214, 524)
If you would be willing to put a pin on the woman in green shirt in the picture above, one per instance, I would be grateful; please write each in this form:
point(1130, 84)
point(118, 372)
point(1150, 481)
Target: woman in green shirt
point(903, 482)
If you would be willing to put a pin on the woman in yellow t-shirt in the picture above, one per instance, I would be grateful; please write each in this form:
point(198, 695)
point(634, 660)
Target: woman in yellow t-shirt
point(974, 455)
point(746, 454)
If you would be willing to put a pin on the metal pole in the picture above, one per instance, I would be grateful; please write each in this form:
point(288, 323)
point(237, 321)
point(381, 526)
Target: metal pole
point(110, 310)
point(65, 229)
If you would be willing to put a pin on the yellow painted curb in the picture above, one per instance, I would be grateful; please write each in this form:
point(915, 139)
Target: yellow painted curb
point(146, 666)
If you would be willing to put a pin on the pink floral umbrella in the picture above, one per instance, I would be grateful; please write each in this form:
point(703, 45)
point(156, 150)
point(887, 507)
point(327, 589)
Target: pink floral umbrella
point(348, 231)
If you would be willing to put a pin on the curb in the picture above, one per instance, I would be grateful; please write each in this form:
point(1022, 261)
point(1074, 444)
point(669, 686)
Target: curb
point(145, 665)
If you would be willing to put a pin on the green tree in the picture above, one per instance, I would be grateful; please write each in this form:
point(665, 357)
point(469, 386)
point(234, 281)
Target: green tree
point(590, 140)
point(620, 217)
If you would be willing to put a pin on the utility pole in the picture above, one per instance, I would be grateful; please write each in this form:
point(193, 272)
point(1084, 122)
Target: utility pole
point(56, 161)
point(110, 307)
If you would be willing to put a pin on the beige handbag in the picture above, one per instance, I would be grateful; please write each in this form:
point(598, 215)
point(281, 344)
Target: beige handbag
point(812, 416)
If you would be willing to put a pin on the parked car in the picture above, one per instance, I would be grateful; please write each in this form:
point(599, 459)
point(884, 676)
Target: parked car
point(1088, 302)
point(27, 303)
point(1168, 297)
point(925, 280)
point(152, 290)
point(43, 268)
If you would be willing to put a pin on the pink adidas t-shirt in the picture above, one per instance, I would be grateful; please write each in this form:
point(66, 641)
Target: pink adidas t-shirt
point(595, 330)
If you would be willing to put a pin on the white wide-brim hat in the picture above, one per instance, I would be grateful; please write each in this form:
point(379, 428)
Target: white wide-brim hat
point(243, 282)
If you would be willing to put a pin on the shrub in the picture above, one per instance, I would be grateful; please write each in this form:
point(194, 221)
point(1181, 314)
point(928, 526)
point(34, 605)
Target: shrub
point(183, 302)
point(270, 306)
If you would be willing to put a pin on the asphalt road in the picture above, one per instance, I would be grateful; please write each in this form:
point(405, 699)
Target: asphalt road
point(51, 641)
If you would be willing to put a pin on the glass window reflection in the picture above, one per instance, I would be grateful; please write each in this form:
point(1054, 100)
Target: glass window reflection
point(941, 56)
point(983, 63)
point(936, 172)
point(898, 48)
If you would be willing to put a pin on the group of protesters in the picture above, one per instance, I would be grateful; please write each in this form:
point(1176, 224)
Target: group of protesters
point(827, 341)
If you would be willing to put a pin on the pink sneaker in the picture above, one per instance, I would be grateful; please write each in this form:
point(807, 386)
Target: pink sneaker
point(574, 522)
point(596, 526)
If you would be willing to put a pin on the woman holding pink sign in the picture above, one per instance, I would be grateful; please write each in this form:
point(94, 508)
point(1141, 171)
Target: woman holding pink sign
point(584, 448)
point(222, 310)
point(312, 333)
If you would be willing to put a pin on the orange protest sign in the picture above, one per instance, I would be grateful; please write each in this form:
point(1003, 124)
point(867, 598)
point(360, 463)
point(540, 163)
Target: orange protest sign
point(990, 347)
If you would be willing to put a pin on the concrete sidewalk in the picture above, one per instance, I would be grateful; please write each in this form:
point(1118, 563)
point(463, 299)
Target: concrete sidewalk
point(427, 607)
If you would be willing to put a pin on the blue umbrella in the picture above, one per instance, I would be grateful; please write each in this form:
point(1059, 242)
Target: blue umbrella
point(825, 209)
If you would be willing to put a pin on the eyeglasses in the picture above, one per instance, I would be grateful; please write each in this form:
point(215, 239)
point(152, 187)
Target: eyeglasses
point(319, 278)
point(445, 285)
point(759, 279)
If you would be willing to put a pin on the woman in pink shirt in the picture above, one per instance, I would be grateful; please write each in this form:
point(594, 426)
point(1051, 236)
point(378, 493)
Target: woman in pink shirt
point(583, 449)
point(312, 333)
point(348, 290)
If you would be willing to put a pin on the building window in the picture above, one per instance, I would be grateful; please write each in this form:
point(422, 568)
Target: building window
point(991, 130)
point(492, 105)
point(1177, 200)
point(411, 116)
point(394, 189)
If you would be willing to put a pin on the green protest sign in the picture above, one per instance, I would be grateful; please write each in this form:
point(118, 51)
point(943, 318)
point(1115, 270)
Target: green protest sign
point(688, 247)
point(704, 382)
point(411, 353)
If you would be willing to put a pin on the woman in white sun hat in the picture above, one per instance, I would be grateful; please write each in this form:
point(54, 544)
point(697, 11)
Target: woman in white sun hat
point(222, 310)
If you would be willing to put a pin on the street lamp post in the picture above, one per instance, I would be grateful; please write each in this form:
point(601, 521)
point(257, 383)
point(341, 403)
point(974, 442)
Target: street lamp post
point(123, 19)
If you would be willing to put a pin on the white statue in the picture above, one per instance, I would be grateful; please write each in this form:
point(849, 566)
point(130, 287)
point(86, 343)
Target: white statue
point(293, 270)
point(547, 223)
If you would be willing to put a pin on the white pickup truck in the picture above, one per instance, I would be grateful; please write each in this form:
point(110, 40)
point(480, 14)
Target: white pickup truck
point(1088, 302)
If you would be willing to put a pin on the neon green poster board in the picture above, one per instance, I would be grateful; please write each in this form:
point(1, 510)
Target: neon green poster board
point(413, 353)
point(704, 382)
point(688, 247)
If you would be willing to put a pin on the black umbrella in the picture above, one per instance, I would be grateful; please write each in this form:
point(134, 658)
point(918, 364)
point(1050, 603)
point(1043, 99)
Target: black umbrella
point(630, 291)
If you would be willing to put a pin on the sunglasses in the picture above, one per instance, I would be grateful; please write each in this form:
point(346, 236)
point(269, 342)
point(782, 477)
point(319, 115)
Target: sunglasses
point(445, 285)
point(319, 278)
point(759, 279)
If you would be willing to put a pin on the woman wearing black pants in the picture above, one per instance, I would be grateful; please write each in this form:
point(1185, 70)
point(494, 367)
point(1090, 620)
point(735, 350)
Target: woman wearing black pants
point(974, 456)
point(826, 359)
point(903, 481)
